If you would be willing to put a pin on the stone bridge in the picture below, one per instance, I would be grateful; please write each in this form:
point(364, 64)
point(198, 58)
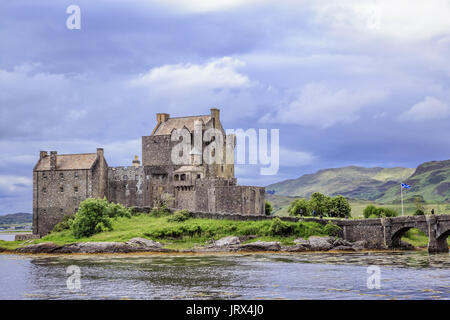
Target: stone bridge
point(387, 232)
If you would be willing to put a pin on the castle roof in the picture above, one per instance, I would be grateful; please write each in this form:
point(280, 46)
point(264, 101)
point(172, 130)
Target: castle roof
point(68, 162)
point(166, 128)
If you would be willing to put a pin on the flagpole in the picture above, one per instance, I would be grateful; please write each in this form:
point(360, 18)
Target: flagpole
point(401, 192)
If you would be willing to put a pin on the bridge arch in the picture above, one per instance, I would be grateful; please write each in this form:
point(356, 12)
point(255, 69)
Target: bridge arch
point(441, 240)
point(399, 232)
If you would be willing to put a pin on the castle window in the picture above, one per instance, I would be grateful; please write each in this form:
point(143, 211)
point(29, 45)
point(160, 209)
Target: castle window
point(125, 177)
point(136, 177)
point(61, 189)
point(75, 174)
point(61, 175)
point(183, 177)
point(44, 175)
point(61, 210)
point(199, 176)
point(180, 153)
point(44, 190)
point(176, 177)
point(75, 189)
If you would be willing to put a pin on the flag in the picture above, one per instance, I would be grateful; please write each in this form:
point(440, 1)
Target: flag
point(405, 186)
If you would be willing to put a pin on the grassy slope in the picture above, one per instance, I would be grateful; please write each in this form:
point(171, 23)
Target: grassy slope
point(157, 228)
point(16, 218)
point(353, 181)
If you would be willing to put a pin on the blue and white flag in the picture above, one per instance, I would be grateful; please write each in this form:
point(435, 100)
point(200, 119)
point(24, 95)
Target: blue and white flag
point(405, 186)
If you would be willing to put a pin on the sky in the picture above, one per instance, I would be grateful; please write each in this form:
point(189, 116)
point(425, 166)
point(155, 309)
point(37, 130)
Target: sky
point(346, 82)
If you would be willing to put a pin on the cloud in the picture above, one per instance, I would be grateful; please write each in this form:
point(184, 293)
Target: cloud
point(292, 158)
point(10, 184)
point(318, 105)
point(428, 109)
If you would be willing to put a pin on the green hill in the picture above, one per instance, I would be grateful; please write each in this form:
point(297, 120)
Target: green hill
point(430, 180)
point(16, 218)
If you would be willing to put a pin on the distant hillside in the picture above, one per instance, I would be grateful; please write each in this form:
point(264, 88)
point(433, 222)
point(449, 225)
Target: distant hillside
point(430, 180)
point(16, 218)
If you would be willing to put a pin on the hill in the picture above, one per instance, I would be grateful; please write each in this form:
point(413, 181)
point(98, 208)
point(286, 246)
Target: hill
point(430, 180)
point(16, 218)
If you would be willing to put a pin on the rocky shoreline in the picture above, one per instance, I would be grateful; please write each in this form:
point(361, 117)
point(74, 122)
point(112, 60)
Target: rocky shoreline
point(227, 244)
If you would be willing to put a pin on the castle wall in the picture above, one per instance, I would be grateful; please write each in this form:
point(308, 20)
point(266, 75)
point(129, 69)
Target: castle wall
point(127, 185)
point(56, 194)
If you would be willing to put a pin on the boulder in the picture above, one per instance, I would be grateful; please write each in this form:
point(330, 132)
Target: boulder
point(296, 248)
point(146, 243)
point(44, 247)
point(260, 246)
point(227, 241)
point(97, 247)
point(320, 243)
point(301, 241)
point(344, 248)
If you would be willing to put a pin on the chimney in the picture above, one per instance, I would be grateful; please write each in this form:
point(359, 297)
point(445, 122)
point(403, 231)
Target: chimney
point(100, 153)
point(162, 117)
point(215, 114)
point(43, 154)
point(136, 162)
point(103, 173)
point(53, 157)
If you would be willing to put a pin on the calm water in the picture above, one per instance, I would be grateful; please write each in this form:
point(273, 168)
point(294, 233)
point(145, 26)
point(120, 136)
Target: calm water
point(409, 275)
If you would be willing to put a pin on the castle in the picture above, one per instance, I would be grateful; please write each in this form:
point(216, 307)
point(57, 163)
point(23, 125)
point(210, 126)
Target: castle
point(62, 181)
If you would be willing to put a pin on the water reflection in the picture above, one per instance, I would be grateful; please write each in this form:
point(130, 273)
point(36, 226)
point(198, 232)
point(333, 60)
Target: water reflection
point(405, 275)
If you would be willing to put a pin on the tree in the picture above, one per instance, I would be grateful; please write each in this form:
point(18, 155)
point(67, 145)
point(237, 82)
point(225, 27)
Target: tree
point(300, 207)
point(339, 207)
point(268, 208)
point(319, 203)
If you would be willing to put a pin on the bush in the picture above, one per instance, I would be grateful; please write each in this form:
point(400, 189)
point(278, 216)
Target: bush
point(114, 210)
point(180, 216)
point(280, 228)
point(64, 224)
point(419, 212)
point(91, 218)
point(268, 208)
point(332, 230)
point(373, 212)
point(160, 211)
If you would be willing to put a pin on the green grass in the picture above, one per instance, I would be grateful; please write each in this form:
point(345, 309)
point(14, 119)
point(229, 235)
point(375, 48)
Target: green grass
point(417, 238)
point(183, 235)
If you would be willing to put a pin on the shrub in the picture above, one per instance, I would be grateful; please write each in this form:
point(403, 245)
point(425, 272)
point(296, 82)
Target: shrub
point(370, 211)
point(114, 210)
point(332, 230)
point(160, 211)
point(268, 208)
point(64, 224)
point(373, 212)
point(280, 228)
point(419, 212)
point(180, 216)
point(91, 218)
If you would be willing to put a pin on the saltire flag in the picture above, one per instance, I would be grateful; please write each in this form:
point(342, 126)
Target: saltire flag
point(405, 186)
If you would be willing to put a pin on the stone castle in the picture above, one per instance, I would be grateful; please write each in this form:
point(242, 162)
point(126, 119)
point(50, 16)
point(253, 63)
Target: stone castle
point(62, 181)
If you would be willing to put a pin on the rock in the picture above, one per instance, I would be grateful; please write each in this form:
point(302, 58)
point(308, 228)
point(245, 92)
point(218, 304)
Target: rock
point(260, 246)
point(320, 243)
point(341, 242)
point(141, 242)
point(296, 248)
point(227, 241)
point(97, 247)
point(301, 241)
point(344, 248)
point(44, 247)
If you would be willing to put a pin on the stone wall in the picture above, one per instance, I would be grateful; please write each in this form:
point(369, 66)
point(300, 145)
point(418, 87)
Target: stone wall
point(126, 185)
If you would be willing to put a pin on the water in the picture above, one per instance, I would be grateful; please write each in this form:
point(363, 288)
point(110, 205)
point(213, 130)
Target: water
point(404, 275)
point(7, 237)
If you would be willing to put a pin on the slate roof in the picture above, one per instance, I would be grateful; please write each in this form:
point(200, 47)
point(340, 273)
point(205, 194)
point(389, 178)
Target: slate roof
point(167, 127)
point(68, 162)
